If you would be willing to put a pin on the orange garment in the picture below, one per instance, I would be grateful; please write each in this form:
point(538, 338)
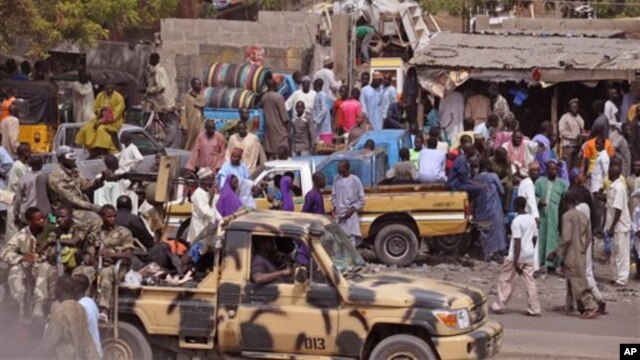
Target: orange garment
point(591, 153)
point(177, 248)
point(6, 104)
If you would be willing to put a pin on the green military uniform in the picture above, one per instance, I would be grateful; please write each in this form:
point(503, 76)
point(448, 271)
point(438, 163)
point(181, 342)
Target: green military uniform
point(67, 336)
point(118, 239)
point(75, 258)
point(67, 186)
point(23, 243)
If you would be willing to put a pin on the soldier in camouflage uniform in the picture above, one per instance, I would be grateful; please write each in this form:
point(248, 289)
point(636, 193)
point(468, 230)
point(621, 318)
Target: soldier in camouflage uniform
point(116, 243)
point(24, 255)
point(76, 242)
point(67, 187)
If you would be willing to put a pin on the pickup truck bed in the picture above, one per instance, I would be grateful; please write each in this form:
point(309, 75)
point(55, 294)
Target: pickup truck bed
point(395, 218)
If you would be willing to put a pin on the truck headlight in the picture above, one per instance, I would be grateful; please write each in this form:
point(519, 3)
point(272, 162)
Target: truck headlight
point(457, 319)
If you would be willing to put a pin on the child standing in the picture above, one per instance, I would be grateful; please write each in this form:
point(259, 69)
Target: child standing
point(304, 134)
point(519, 262)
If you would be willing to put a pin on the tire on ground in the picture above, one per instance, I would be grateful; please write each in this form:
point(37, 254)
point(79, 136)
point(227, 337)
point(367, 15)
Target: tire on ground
point(451, 244)
point(398, 345)
point(132, 344)
point(396, 244)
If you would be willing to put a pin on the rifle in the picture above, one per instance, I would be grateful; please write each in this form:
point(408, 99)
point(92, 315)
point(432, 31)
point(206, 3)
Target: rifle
point(136, 177)
point(59, 264)
point(30, 286)
point(100, 266)
point(29, 282)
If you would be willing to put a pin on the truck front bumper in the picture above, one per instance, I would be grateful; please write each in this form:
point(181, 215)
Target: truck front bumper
point(482, 343)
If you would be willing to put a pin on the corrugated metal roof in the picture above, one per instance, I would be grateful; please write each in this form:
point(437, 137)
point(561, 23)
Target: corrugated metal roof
point(612, 33)
point(497, 52)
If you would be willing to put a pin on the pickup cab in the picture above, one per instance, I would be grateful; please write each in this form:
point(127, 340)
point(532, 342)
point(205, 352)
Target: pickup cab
point(328, 309)
point(396, 219)
point(90, 168)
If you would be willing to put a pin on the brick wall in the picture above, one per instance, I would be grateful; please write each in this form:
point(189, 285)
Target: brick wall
point(189, 45)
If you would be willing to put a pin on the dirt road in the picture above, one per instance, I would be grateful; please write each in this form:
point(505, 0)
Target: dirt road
point(554, 335)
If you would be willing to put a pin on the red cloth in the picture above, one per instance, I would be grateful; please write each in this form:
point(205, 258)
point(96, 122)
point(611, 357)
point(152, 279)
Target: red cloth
point(108, 117)
point(350, 110)
point(336, 110)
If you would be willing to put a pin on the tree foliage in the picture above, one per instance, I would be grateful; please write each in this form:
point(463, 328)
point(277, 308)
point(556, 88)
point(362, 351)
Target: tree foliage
point(616, 8)
point(44, 24)
point(603, 8)
point(269, 5)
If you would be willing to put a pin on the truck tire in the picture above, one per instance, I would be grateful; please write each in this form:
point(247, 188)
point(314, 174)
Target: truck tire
point(403, 347)
point(130, 345)
point(452, 244)
point(396, 244)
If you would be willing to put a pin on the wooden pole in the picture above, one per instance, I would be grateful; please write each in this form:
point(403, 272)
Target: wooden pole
point(554, 114)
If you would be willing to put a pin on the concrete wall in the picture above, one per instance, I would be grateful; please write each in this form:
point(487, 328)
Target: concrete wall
point(189, 45)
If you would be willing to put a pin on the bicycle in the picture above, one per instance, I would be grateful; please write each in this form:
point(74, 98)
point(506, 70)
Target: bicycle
point(164, 126)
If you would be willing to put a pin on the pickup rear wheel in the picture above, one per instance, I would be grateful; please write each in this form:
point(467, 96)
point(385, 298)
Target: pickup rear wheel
point(130, 345)
point(452, 244)
point(396, 244)
point(401, 347)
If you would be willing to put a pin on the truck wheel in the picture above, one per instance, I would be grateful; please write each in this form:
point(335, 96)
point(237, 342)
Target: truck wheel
point(452, 244)
point(396, 244)
point(130, 345)
point(403, 347)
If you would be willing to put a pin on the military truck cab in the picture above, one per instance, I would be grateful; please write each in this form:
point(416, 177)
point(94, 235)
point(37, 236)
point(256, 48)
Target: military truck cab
point(328, 308)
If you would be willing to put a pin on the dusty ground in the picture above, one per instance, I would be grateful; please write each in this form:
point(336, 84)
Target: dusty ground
point(554, 335)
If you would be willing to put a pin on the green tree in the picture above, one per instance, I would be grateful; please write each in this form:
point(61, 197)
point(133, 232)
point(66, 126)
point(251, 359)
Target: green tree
point(43, 24)
point(269, 5)
point(616, 8)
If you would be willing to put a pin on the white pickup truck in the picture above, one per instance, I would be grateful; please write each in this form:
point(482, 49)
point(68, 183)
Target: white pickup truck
point(395, 219)
point(90, 168)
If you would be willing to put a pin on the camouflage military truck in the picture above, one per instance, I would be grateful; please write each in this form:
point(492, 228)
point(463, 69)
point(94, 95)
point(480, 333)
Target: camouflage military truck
point(327, 309)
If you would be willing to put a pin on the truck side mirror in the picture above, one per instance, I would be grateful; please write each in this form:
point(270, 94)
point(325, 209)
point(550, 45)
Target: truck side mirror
point(300, 276)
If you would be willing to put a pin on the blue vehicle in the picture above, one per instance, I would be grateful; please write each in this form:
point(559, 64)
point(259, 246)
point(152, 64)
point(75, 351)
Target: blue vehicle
point(389, 140)
point(223, 116)
point(370, 168)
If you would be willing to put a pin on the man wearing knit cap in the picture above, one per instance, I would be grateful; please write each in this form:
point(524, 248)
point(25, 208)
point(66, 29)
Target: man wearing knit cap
point(330, 85)
point(304, 94)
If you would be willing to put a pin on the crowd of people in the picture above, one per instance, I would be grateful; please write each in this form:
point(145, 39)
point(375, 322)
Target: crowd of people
point(471, 142)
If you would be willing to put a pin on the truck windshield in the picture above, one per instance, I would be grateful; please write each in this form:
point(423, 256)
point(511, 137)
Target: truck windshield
point(336, 243)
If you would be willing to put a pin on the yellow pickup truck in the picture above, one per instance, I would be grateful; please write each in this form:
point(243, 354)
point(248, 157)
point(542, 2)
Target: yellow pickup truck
point(327, 308)
point(396, 219)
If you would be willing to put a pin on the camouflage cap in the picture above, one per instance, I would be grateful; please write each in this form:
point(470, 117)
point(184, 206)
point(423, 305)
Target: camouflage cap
point(65, 151)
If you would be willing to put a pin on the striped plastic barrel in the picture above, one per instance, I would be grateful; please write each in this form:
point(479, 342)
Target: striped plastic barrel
point(230, 98)
point(245, 76)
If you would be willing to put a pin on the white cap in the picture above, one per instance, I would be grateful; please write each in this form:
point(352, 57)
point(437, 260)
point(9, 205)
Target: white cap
point(204, 172)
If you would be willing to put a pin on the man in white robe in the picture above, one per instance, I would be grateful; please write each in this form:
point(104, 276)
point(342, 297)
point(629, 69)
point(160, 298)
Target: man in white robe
point(204, 213)
point(83, 99)
point(527, 190)
point(347, 199)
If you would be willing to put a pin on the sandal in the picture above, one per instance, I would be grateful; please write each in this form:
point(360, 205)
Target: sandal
point(590, 314)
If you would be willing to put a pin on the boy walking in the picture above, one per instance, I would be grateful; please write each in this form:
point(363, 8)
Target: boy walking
point(519, 262)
